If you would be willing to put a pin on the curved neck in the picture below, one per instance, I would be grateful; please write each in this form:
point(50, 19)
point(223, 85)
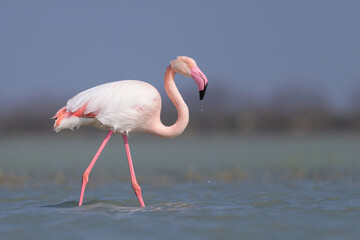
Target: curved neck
point(183, 112)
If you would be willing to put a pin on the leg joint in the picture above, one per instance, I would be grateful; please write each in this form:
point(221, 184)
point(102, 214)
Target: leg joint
point(85, 178)
point(137, 188)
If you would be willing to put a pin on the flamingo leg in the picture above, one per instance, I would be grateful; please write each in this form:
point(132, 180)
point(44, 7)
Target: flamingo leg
point(85, 177)
point(134, 183)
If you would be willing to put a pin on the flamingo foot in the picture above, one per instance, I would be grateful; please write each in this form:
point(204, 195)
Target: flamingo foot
point(137, 189)
point(85, 180)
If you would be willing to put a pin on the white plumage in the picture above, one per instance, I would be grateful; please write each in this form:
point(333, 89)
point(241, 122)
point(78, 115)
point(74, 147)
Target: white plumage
point(121, 106)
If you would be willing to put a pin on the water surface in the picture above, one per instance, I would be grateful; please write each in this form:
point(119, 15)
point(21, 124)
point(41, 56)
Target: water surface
point(214, 187)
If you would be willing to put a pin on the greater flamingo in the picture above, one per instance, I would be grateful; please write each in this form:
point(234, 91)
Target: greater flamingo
point(130, 106)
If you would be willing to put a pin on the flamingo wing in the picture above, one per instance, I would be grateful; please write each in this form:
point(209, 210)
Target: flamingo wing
point(121, 106)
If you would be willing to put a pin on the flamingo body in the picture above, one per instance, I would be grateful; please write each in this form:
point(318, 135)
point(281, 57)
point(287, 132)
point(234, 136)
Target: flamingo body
point(122, 106)
point(129, 105)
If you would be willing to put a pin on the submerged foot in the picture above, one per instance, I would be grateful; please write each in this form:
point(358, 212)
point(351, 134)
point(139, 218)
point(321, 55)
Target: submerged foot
point(137, 189)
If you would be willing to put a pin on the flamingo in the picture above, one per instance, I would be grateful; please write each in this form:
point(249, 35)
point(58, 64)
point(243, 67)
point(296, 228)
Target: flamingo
point(130, 106)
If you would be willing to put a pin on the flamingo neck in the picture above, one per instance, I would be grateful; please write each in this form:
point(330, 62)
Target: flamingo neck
point(183, 112)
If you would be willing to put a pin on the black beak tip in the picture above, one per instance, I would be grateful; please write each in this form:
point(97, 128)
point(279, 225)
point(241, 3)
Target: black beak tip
point(202, 92)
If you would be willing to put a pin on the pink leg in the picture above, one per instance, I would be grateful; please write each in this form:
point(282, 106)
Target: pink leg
point(85, 177)
point(134, 183)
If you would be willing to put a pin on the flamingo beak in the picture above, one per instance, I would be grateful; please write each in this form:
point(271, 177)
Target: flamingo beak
point(200, 80)
point(202, 92)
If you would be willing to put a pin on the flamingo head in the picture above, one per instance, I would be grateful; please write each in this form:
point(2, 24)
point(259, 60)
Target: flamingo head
point(187, 67)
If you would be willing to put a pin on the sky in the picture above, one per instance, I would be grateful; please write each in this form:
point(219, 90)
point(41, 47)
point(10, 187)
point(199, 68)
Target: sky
point(55, 49)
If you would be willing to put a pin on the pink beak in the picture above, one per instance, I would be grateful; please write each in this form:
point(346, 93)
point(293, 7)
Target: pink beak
point(200, 80)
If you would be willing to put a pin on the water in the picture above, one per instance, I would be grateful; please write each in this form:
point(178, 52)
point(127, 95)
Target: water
point(219, 187)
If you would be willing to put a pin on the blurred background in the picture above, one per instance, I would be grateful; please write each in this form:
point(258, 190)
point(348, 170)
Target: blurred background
point(274, 68)
point(290, 66)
